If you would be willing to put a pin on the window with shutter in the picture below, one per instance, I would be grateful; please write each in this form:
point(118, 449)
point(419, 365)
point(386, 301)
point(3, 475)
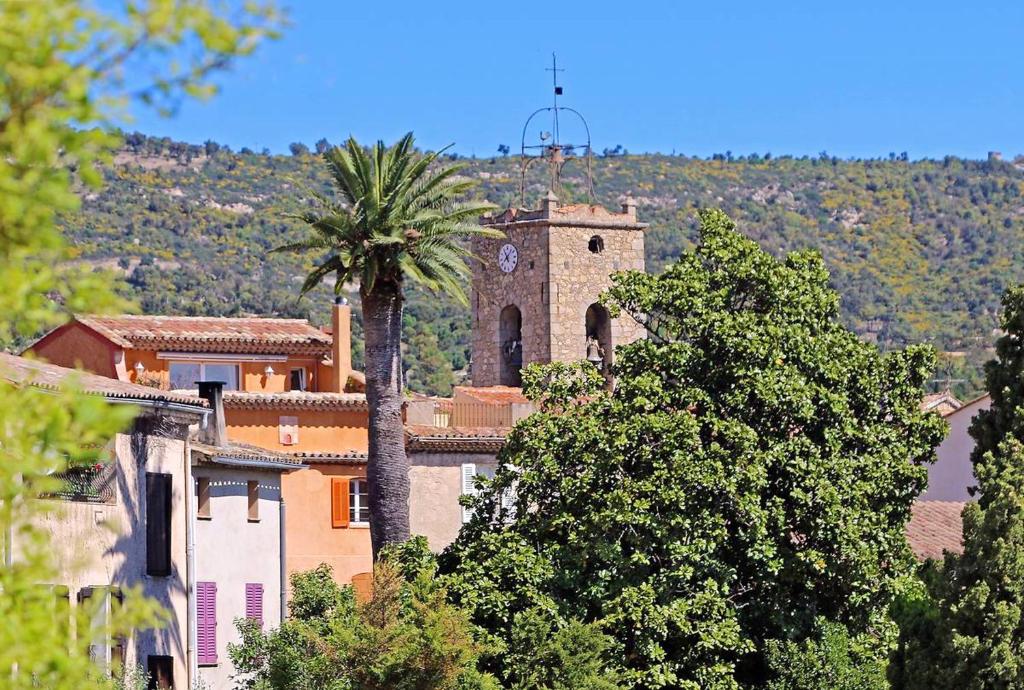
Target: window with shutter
point(95, 614)
point(254, 602)
point(100, 604)
point(468, 488)
point(358, 503)
point(206, 622)
point(158, 524)
point(339, 502)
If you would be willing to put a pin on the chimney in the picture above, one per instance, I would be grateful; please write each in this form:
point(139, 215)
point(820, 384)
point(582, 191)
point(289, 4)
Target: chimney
point(549, 203)
point(341, 345)
point(629, 207)
point(215, 433)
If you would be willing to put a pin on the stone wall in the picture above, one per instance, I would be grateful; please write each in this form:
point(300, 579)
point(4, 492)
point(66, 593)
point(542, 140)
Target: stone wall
point(492, 290)
point(557, 278)
point(579, 276)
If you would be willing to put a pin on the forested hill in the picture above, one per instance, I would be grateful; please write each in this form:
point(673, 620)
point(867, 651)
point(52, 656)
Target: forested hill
point(919, 251)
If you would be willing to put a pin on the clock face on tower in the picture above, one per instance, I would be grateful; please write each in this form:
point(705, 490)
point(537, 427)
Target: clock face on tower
point(508, 257)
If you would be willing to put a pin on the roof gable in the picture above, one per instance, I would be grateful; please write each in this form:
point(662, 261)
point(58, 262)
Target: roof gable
point(211, 334)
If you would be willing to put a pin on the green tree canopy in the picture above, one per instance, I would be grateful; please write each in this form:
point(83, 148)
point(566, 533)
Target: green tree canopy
point(749, 479)
point(971, 635)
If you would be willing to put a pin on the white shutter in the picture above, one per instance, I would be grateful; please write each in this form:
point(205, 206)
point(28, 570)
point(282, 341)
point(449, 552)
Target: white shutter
point(468, 488)
point(508, 504)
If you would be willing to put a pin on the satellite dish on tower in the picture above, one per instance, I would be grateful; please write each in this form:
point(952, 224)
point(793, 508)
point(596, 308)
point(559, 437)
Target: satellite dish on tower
point(551, 149)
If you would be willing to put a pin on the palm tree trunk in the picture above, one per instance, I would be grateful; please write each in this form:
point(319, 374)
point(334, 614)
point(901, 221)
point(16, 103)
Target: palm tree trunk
point(387, 470)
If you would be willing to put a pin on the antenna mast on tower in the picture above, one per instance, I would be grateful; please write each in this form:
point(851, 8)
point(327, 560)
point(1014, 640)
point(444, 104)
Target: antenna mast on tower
point(551, 149)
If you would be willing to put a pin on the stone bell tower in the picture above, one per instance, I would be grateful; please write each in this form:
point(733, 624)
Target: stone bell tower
point(535, 291)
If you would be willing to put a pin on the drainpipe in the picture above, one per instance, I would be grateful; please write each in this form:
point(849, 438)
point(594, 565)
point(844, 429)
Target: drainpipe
point(190, 566)
point(283, 568)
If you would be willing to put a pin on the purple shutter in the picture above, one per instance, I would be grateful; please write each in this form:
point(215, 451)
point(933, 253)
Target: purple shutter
point(206, 622)
point(254, 602)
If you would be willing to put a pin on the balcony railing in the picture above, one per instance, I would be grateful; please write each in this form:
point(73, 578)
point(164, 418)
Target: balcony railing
point(90, 484)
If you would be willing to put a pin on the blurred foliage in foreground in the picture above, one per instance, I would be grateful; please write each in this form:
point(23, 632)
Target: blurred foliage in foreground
point(63, 79)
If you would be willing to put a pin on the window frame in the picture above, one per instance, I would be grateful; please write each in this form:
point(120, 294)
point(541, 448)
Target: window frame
point(101, 602)
point(163, 513)
point(355, 502)
point(202, 364)
point(304, 383)
point(156, 664)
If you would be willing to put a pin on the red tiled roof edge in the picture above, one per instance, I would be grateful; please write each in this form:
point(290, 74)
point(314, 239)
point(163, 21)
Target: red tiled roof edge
point(211, 334)
point(934, 528)
point(431, 439)
point(21, 370)
point(294, 400)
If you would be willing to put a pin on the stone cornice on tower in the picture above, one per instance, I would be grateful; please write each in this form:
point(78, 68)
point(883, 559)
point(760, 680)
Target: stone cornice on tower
point(574, 215)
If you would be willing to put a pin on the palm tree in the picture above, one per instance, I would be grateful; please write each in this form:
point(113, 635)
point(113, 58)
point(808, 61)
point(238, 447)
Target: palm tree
point(395, 216)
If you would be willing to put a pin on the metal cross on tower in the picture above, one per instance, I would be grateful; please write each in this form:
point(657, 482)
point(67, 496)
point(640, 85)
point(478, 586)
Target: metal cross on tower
point(555, 69)
point(551, 149)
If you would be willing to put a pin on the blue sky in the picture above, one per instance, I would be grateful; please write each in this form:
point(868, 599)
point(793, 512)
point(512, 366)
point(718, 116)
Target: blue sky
point(853, 78)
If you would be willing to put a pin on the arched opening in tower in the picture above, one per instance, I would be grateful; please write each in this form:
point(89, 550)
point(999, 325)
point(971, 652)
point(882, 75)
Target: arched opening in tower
point(599, 337)
point(510, 335)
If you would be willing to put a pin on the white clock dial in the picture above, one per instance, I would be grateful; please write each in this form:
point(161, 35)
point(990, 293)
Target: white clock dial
point(508, 257)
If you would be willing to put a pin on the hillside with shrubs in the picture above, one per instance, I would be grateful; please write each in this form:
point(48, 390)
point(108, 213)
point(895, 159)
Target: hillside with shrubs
point(920, 251)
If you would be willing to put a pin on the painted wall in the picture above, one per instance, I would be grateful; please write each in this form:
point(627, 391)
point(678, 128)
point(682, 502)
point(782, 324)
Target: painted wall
point(331, 431)
point(77, 347)
point(952, 473)
point(436, 480)
point(105, 544)
point(311, 538)
point(232, 550)
point(253, 378)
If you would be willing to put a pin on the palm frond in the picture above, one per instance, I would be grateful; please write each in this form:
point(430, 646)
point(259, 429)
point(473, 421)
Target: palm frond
point(316, 276)
point(396, 213)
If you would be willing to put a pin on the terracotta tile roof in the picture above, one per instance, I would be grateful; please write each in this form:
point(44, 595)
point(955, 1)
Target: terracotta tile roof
point(351, 457)
point(21, 370)
point(935, 527)
point(245, 455)
point(448, 439)
point(944, 403)
point(493, 395)
point(211, 334)
point(302, 400)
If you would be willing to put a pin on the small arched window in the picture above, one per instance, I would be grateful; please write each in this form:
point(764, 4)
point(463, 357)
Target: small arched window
point(596, 244)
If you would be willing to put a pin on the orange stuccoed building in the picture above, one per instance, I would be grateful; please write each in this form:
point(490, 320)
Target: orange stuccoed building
point(289, 387)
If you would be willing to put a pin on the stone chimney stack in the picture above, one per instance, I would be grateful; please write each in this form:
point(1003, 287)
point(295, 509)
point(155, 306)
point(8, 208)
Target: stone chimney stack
point(629, 207)
point(549, 203)
point(215, 433)
point(341, 345)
